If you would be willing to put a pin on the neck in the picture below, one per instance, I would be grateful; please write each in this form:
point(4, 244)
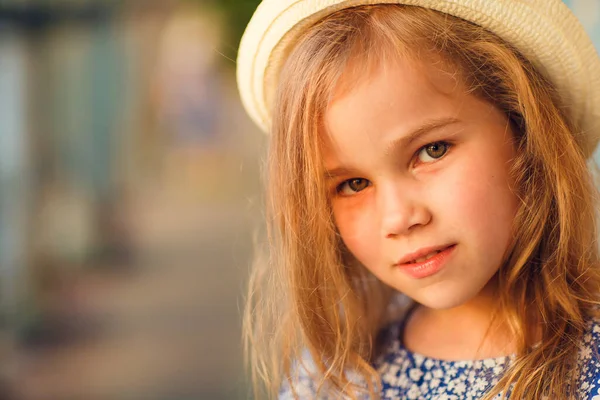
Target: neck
point(469, 331)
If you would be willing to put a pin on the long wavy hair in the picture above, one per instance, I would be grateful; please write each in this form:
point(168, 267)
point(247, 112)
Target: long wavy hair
point(306, 293)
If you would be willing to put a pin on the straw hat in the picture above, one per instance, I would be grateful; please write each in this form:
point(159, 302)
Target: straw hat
point(544, 31)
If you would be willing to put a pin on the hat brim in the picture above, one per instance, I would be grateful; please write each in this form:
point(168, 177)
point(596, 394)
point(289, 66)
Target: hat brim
point(544, 31)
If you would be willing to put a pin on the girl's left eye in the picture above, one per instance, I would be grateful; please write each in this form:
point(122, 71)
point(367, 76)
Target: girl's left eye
point(433, 151)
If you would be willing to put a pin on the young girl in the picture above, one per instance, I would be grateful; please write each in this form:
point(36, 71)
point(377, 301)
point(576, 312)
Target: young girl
point(431, 217)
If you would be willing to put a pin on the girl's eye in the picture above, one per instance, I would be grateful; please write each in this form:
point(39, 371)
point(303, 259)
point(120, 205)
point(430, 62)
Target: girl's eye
point(352, 186)
point(433, 151)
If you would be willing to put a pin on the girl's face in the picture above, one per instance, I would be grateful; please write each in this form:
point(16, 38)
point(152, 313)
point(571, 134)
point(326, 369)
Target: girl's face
point(415, 166)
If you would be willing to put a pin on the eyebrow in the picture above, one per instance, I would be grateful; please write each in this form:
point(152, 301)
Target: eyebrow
point(427, 127)
point(401, 142)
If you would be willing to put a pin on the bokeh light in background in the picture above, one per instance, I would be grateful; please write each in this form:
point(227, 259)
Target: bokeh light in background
point(129, 179)
point(129, 196)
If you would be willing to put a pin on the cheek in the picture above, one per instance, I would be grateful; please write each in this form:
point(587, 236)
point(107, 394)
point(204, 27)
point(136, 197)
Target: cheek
point(478, 194)
point(355, 222)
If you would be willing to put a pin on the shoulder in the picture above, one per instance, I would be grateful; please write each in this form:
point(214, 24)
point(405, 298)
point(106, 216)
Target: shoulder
point(304, 382)
point(301, 382)
point(589, 362)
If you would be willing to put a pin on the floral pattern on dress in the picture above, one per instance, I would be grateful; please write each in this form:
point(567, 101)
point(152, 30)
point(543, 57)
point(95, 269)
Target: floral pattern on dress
point(407, 375)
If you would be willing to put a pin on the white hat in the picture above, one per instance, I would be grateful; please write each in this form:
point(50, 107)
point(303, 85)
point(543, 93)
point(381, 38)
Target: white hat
point(544, 31)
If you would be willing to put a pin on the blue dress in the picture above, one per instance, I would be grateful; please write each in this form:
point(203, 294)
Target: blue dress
point(407, 375)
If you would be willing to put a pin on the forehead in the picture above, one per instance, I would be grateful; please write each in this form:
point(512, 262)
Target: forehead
point(389, 96)
point(363, 63)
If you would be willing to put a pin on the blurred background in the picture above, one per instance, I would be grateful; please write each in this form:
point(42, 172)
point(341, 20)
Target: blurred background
point(129, 193)
point(129, 197)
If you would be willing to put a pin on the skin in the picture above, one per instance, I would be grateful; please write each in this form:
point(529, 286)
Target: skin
point(405, 199)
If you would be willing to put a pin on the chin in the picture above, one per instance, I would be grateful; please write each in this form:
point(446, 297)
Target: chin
point(444, 299)
point(440, 304)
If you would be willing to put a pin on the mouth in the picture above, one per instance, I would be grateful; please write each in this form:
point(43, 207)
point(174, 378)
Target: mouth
point(427, 257)
point(423, 255)
point(426, 262)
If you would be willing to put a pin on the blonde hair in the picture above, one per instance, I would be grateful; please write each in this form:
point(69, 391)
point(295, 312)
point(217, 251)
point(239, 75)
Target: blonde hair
point(306, 292)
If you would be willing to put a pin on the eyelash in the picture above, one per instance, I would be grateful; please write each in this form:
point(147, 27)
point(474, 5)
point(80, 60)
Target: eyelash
point(447, 145)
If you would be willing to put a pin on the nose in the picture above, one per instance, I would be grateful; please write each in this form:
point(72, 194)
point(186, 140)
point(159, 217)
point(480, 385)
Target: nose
point(402, 209)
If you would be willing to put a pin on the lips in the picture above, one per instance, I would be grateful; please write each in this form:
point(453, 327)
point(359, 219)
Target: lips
point(426, 262)
point(422, 255)
point(427, 257)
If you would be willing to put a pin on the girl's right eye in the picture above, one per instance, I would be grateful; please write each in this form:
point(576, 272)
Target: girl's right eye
point(352, 186)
